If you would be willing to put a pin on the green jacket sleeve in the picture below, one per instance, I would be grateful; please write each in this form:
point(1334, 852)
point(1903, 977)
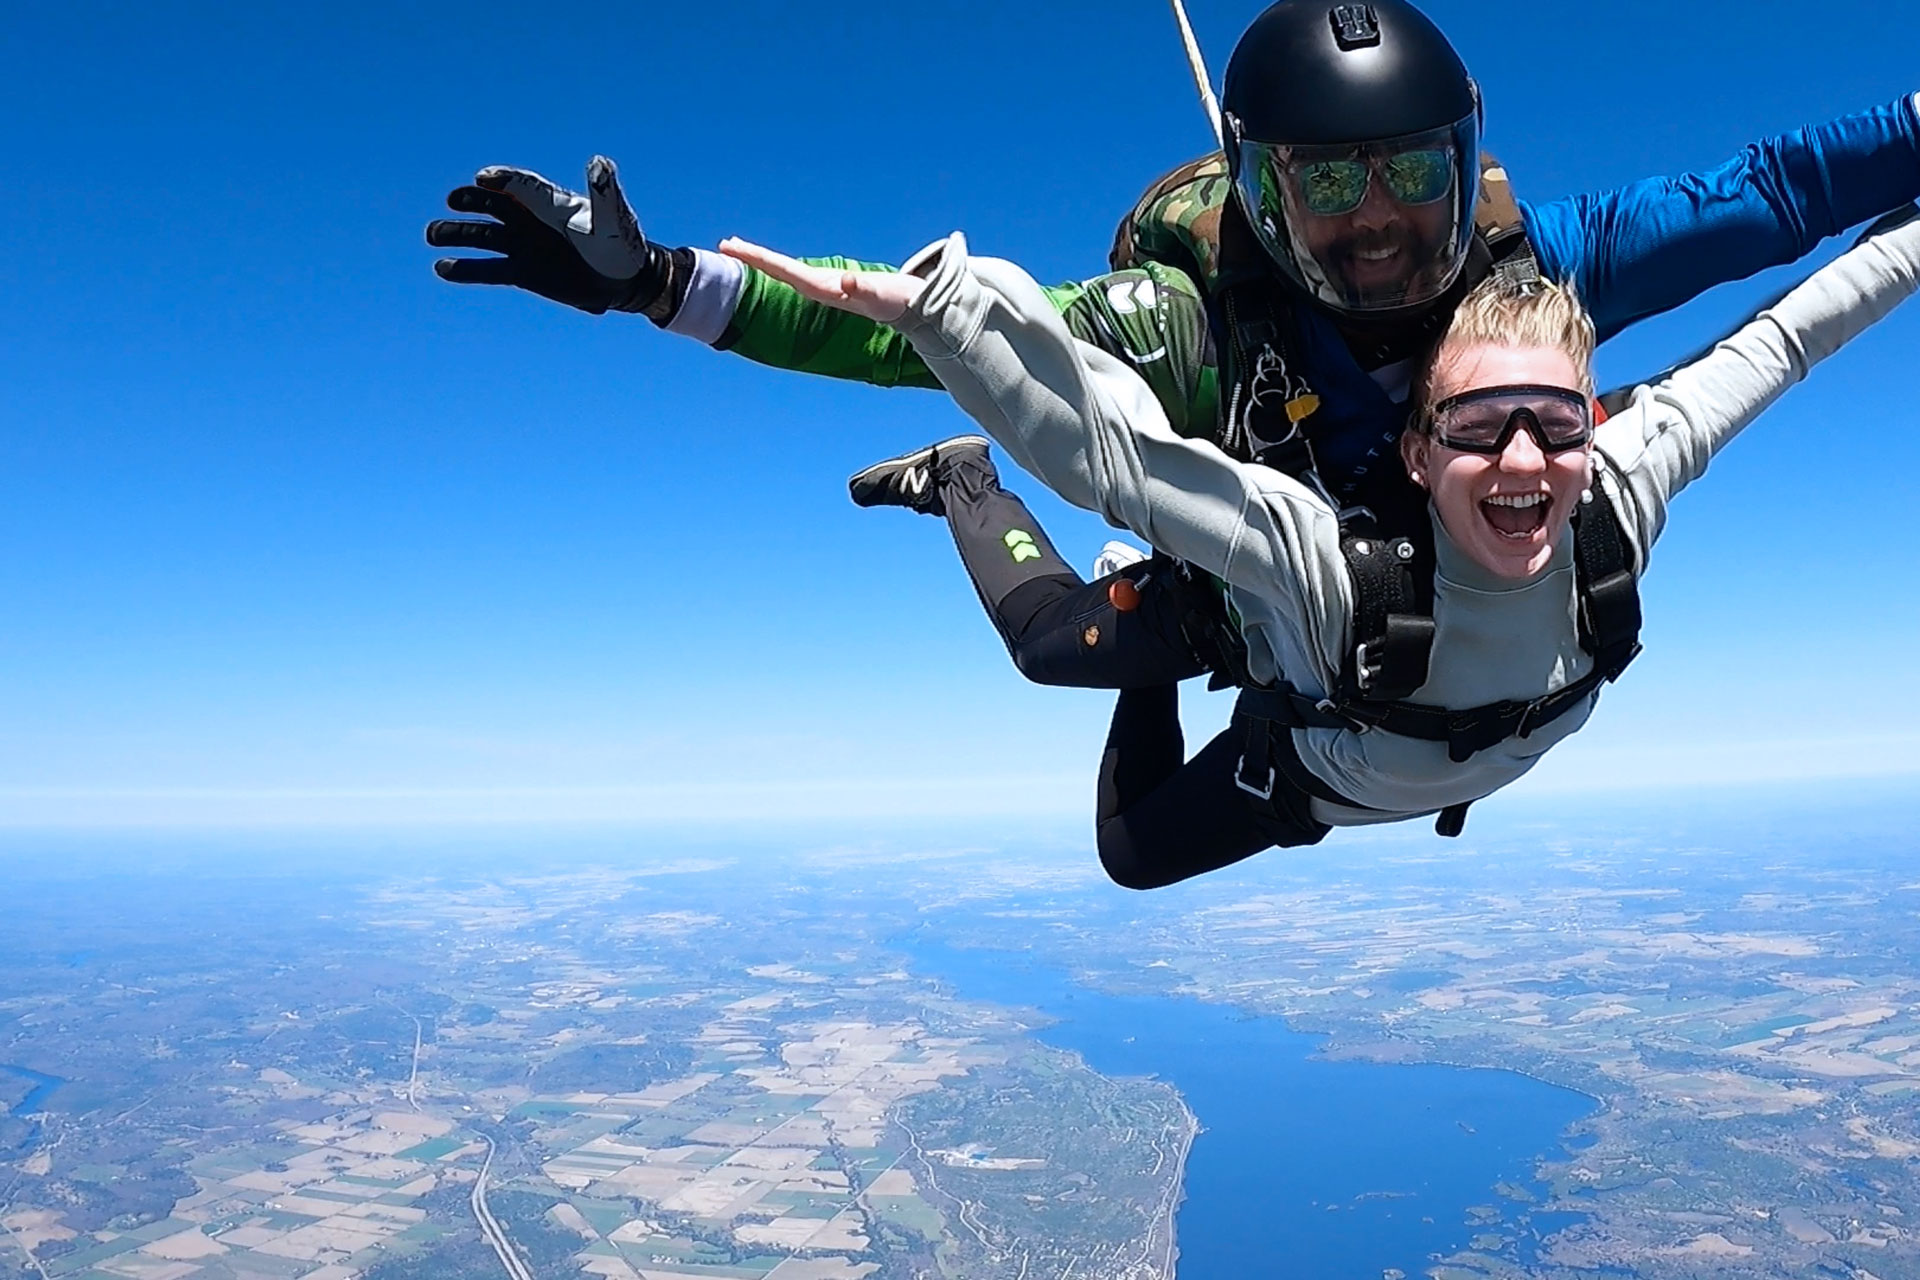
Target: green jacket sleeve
point(1151, 316)
point(774, 325)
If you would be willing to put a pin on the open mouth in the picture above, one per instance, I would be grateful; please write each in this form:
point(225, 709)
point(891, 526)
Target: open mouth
point(1378, 262)
point(1518, 517)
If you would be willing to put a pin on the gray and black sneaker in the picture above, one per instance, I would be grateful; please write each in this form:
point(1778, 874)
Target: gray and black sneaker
point(912, 480)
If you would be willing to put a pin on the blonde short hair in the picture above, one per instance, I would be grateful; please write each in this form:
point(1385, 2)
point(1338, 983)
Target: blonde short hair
point(1499, 313)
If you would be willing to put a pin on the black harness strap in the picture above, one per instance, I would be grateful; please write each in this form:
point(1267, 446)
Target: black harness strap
point(1471, 731)
point(1267, 754)
point(1257, 340)
point(1609, 594)
point(1393, 608)
point(1209, 627)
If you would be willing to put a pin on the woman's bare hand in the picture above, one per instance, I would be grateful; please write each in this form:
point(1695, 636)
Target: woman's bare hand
point(877, 295)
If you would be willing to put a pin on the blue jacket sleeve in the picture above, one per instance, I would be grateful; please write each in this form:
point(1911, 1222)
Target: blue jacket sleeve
point(1659, 242)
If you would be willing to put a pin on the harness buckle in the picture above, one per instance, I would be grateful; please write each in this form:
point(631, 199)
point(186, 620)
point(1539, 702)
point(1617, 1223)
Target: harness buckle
point(1328, 707)
point(1363, 668)
point(1240, 781)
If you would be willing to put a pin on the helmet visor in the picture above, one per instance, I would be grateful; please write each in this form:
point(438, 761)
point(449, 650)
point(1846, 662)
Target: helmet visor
point(1366, 227)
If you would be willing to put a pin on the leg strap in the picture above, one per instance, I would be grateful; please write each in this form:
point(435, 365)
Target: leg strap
point(1279, 789)
point(1277, 782)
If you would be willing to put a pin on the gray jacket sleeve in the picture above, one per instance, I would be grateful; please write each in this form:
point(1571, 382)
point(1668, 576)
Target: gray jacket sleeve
point(1091, 430)
point(1662, 441)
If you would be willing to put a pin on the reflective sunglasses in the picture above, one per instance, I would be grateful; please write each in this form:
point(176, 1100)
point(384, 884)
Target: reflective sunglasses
point(1483, 421)
point(1332, 187)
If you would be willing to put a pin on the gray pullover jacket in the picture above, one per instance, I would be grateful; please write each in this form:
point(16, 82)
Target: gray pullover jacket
point(1087, 425)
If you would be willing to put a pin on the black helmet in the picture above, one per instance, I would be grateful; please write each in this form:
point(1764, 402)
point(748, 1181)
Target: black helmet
point(1353, 136)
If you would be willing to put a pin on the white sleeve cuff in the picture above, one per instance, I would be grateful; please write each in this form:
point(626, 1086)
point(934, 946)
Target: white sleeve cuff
point(712, 295)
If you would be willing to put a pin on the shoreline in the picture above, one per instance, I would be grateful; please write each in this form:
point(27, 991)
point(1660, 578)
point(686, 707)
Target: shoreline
point(1176, 1193)
point(1327, 1045)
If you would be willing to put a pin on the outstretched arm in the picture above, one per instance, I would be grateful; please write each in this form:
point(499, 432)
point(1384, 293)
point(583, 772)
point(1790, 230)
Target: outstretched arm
point(1655, 244)
point(1151, 316)
point(1086, 424)
point(1666, 436)
point(587, 251)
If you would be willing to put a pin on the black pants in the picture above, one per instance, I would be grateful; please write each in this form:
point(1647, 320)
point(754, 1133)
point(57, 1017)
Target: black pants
point(1059, 628)
point(1161, 817)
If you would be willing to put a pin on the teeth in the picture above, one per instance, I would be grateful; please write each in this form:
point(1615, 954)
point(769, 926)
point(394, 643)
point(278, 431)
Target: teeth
point(1517, 500)
point(1375, 255)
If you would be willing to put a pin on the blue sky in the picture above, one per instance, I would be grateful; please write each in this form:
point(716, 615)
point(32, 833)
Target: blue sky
point(296, 533)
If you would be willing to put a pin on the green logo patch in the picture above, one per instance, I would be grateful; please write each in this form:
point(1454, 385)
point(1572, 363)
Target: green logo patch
point(1020, 543)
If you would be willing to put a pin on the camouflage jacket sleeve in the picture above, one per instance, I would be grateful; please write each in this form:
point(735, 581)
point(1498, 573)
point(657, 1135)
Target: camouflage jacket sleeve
point(1151, 316)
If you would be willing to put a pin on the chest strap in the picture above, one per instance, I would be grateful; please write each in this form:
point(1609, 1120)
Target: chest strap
point(1269, 758)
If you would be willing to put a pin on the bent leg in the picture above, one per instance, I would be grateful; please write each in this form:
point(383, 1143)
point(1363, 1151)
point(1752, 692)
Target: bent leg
point(1059, 629)
point(1161, 821)
point(1003, 547)
point(1190, 819)
point(1145, 747)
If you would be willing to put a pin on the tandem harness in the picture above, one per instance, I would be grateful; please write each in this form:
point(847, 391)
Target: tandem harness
point(1393, 633)
point(1386, 538)
point(1386, 534)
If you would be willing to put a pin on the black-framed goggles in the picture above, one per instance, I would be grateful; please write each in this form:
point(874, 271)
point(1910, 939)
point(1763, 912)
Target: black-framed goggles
point(1484, 420)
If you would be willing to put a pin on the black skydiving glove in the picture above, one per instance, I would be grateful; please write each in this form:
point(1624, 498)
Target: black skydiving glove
point(586, 251)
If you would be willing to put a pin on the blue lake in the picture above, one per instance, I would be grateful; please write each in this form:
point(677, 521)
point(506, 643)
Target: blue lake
point(1303, 1167)
point(40, 1088)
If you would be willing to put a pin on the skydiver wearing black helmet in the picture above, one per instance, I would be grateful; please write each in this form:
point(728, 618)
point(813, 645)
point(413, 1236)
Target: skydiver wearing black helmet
point(1319, 279)
point(1357, 172)
point(1359, 215)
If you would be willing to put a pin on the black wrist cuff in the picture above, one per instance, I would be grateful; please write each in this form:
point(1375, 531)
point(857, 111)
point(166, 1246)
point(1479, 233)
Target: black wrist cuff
point(661, 288)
